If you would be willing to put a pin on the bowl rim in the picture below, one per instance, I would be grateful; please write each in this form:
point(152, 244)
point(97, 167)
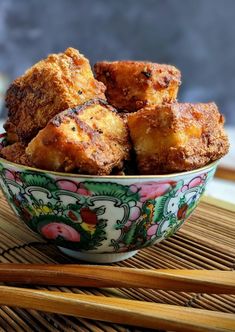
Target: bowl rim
point(118, 177)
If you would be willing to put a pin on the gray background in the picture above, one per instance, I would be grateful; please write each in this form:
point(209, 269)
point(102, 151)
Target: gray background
point(198, 36)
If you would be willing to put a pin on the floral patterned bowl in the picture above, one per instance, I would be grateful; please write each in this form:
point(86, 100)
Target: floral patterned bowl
point(102, 219)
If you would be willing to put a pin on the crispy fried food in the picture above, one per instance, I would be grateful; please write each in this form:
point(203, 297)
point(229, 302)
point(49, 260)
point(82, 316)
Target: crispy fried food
point(132, 85)
point(15, 153)
point(59, 82)
point(177, 137)
point(11, 133)
point(90, 139)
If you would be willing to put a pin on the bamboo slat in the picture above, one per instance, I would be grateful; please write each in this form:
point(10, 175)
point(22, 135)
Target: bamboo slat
point(206, 241)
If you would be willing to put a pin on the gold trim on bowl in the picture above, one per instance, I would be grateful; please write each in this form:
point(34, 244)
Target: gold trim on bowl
point(110, 176)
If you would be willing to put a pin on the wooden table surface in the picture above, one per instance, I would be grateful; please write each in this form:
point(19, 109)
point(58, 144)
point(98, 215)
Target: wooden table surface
point(206, 241)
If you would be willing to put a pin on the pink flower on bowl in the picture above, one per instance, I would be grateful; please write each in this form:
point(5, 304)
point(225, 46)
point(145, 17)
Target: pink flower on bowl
point(9, 175)
point(197, 181)
point(135, 211)
point(55, 229)
point(151, 190)
point(12, 175)
point(74, 187)
point(67, 185)
point(152, 230)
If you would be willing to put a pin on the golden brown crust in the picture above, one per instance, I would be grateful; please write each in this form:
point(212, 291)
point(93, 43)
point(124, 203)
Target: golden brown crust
point(15, 153)
point(59, 82)
point(90, 139)
point(11, 133)
point(177, 137)
point(132, 85)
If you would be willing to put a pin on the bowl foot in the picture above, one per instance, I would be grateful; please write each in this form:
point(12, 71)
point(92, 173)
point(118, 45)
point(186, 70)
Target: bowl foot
point(98, 258)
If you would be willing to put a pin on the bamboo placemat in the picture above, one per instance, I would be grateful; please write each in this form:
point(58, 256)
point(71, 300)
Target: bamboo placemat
point(206, 241)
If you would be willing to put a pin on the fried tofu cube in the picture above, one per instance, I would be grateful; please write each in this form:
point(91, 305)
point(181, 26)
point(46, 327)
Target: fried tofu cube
point(177, 137)
point(16, 154)
point(132, 85)
point(52, 85)
point(11, 133)
point(90, 139)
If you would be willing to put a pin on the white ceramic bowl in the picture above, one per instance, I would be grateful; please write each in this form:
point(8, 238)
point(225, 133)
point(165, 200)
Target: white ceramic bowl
point(102, 219)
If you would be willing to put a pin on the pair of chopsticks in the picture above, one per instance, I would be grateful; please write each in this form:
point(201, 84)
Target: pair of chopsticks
point(116, 310)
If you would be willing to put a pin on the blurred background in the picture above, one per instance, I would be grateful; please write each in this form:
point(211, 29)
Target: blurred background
point(197, 36)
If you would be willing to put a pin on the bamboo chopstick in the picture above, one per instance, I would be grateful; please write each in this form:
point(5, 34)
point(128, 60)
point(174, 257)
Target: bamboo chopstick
point(115, 310)
point(208, 281)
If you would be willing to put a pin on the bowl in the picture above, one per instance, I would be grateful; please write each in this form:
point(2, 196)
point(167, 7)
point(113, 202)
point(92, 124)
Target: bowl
point(102, 219)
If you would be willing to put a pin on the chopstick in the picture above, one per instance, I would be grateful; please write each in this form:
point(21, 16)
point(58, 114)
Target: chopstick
point(115, 310)
point(208, 281)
